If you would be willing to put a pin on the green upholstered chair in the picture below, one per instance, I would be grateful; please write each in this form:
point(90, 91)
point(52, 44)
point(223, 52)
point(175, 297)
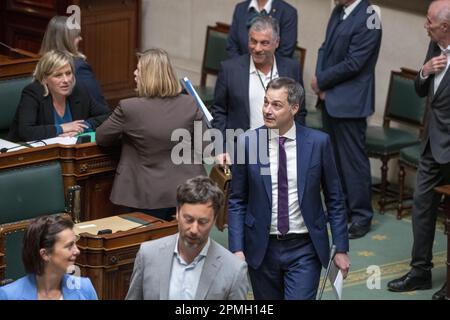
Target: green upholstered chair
point(405, 107)
point(408, 159)
point(214, 53)
point(26, 193)
point(10, 92)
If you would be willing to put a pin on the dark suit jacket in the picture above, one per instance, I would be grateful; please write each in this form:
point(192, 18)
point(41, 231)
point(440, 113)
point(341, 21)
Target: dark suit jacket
point(231, 108)
point(346, 64)
point(250, 204)
point(147, 177)
point(286, 15)
point(34, 118)
point(85, 76)
point(438, 122)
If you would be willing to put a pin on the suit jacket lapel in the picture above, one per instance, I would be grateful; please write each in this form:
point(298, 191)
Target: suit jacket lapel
point(304, 152)
point(444, 83)
point(209, 273)
point(243, 84)
point(75, 107)
point(166, 252)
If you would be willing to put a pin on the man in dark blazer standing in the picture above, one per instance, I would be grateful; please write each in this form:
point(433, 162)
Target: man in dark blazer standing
point(242, 81)
point(245, 12)
point(434, 167)
point(276, 220)
point(345, 83)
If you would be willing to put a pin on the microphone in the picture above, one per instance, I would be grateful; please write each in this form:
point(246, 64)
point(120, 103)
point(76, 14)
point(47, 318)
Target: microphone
point(332, 254)
point(20, 145)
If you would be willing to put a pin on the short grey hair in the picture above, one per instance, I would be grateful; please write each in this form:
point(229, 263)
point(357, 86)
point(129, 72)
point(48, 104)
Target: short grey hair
point(262, 23)
point(296, 93)
point(443, 15)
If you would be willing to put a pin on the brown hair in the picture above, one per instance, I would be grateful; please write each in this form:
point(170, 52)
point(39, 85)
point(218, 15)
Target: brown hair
point(156, 76)
point(200, 189)
point(59, 36)
point(42, 233)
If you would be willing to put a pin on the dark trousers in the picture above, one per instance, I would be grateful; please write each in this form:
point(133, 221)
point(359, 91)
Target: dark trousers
point(348, 136)
point(290, 270)
point(163, 213)
point(430, 174)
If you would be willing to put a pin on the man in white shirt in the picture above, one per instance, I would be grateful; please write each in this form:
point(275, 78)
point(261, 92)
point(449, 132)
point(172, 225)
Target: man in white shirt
point(189, 265)
point(275, 216)
point(434, 166)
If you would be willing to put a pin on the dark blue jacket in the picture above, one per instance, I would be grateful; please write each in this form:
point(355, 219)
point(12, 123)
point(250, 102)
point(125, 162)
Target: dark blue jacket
point(346, 63)
point(86, 77)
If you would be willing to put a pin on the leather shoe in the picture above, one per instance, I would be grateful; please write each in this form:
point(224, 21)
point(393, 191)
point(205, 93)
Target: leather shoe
point(357, 231)
point(410, 283)
point(441, 294)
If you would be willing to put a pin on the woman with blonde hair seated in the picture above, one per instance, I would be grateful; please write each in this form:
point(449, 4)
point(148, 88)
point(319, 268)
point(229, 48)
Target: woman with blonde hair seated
point(61, 35)
point(147, 177)
point(53, 104)
point(49, 253)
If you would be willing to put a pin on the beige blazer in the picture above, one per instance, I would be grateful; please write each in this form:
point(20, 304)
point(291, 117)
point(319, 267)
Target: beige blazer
point(146, 177)
point(224, 276)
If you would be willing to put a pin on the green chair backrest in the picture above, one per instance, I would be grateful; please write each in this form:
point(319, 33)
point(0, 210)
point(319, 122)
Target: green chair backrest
point(10, 92)
point(403, 104)
point(26, 193)
point(32, 191)
point(215, 50)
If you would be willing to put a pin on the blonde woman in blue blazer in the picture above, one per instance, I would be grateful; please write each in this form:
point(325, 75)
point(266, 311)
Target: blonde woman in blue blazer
point(49, 252)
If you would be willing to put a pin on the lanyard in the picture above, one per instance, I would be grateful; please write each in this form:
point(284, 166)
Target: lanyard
point(260, 80)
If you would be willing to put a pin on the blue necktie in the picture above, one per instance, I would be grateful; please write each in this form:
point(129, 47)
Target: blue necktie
point(283, 200)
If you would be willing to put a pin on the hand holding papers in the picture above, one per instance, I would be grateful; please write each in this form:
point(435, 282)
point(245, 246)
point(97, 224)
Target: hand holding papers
point(190, 89)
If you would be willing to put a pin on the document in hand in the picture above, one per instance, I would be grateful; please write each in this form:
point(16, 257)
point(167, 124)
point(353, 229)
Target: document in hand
point(190, 89)
point(337, 280)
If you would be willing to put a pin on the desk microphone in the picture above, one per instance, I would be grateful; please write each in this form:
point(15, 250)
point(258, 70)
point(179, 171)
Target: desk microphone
point(332, 254)
point(20, 145)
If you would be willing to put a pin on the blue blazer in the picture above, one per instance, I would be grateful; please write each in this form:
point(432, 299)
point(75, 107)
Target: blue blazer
point(346, 63)
point(231, 108)
point(286, 15)
point(25, 289)
point(86, 77)
point(250, 202)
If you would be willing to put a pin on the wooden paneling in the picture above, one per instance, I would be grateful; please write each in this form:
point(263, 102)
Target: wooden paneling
point(110, 31)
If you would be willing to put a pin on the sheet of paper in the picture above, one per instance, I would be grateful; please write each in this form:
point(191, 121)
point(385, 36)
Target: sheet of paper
point(337, 281)
point(58, 140)
point(114, 223)
point(9, 146)
point(190, 88)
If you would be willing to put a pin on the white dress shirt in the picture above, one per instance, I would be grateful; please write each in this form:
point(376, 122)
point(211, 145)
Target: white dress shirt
point(350, 8)
point(296, 222)
point(257, 91)
point(254, 4)
point(184, 278)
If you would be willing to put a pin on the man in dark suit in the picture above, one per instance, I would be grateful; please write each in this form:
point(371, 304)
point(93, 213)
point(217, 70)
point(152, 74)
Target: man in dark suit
point(276, 219)
point(434, 166)
point(345, 83)
point(242, 81)
point(246, 11)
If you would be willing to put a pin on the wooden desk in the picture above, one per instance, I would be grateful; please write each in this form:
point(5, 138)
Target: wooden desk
point(446, 191)
point(14, 66)
point(108, 260)
point(87, 165)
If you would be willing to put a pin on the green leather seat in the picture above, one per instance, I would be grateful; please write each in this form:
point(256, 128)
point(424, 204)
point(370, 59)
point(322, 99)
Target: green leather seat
point(215, 52)
point(388, 141)
point(26, 193)
point(10, 92)
point(405, 107)
point(411, 155)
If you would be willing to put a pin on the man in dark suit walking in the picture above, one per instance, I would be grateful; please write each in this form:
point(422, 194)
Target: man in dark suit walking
point(242, 81)
point(275, 215)
point(434, 167)
point(345, 83)
point(243, 16)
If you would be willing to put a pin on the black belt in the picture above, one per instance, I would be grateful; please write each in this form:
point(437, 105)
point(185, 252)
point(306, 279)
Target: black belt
point(289, 236)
